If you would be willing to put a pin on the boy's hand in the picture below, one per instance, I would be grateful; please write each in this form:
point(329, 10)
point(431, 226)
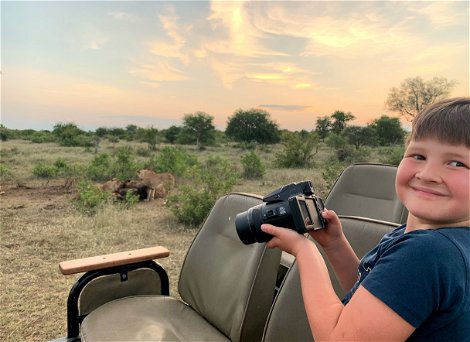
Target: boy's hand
point(286, 239)
point(331, 236)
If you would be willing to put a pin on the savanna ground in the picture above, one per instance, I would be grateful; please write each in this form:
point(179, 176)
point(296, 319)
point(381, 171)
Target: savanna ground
point(41, 227)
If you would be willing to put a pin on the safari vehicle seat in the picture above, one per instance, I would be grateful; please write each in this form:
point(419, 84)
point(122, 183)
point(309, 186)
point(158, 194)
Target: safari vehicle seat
point(226, 290)
point(367, 190)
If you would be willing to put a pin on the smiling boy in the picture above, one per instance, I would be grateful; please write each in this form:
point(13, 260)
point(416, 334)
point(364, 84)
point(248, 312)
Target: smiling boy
point(415, 284)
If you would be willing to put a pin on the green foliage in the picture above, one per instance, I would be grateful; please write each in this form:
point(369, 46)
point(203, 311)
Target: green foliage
point(45, 171)
point(5, 172)
point(350, 155)
point(171, 134)
point(253, 168)
point(323, 127)
point(298, 150)
point(388, 131)
point(42, 137)
point(340, 121)
point(336, 141)
point(99, 168)
point(121, 165)
point(331, 172)
point(174, 160)
point(124, 165)
point(91, 198)
point(4, 133)
point(68, 134)
point(151, 137)
point(199, 128)
point(360, 136)
point(209, 181)
point(392, 155)
point(252, 125)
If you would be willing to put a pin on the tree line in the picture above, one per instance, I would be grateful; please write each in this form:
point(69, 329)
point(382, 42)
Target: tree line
point(255, 126)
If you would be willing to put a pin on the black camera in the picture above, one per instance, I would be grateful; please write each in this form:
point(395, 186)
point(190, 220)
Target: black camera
point(293, 206)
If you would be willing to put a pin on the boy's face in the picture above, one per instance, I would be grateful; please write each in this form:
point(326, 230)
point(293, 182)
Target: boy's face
point(433, 181)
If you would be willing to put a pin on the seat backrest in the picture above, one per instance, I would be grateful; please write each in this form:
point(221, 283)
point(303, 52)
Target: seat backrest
point(367, 190)
point(228, 283)
point(287, 320)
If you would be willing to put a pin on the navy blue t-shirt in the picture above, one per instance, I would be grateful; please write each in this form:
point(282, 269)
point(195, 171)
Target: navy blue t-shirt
point(424, 276)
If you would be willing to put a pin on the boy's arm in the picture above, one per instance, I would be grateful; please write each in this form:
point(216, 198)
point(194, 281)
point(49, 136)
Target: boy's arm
point(364, 318)
point(345, 263)
point(338, 250)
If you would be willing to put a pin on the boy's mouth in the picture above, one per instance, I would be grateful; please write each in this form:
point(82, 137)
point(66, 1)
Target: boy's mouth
point(428, 192)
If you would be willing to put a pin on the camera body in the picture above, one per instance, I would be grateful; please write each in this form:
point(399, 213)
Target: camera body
point(293, 206)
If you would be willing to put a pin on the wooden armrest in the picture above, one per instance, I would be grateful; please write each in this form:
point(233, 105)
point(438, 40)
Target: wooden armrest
point(109, 260)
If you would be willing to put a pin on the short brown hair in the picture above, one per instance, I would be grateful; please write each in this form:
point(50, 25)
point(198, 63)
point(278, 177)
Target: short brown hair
point(447, 121)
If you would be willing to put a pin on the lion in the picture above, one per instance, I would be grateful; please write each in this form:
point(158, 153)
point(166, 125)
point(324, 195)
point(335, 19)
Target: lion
point(153, 180)
point(112, 186)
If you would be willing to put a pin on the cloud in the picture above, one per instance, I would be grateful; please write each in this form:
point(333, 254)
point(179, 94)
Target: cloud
point(287, 108)
point(159, 71)
point(441, 13)
point(124, 16)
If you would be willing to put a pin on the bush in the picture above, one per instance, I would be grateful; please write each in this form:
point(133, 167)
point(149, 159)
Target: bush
point(392, 155)
point(174, 160)
point(209, 181)
point(253, 168)
point(5, 172)
point(124, 165)
point(91, 198)
point(45, 171)
point(331, 172)
point(298, 150)
point(99, 168)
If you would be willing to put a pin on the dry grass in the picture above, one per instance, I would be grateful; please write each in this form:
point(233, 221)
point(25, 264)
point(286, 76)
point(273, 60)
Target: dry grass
point(40, 227)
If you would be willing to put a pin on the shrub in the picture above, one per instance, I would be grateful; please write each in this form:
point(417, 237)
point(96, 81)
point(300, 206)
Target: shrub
point(124, 165)
point(392, 155)
point(99, 168)
point(91, 198)
point(331, 172)
point(45, 171)
point(253, 168)
point(174, 160)
point(298, 150)
point(5, 172)
point(208, 182)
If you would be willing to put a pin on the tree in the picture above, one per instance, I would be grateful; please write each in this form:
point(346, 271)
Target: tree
point(414, 94)
point(298, 150)
point(67, 134)
point(252, 125)
point(340, 121)
point(151, 136)
point(171, 134)
point(199, 126)
point(323, 127)
point(388, 130)
point(359, 136)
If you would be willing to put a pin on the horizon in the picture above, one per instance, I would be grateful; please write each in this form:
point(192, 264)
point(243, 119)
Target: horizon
point(149, 63)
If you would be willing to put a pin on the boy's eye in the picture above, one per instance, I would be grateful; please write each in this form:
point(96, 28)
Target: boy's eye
point(456, 163)
point(418, 157)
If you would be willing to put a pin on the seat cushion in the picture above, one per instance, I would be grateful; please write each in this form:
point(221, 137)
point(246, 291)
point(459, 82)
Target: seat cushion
point(147, 318)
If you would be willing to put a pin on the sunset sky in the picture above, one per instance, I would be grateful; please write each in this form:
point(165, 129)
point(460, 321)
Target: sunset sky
point(148, 63)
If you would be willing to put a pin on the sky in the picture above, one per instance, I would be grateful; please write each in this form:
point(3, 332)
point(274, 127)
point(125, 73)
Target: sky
point(149, 63)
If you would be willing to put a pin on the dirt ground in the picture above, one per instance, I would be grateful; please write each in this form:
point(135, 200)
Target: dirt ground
point(41, 227)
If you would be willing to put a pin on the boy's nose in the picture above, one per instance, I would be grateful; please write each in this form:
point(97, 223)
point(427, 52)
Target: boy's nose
point(429, 173)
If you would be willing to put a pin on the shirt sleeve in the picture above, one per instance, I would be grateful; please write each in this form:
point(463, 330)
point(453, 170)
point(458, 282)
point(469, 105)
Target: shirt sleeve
point(414, 277)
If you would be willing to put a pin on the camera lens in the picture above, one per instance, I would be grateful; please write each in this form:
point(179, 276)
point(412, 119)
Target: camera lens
point(248, 224)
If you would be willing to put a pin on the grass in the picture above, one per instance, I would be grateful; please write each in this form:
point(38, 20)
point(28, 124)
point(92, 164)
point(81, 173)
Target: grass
point(40, 227)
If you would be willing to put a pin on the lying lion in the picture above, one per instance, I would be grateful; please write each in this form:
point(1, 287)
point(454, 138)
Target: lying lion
point(156, 182)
